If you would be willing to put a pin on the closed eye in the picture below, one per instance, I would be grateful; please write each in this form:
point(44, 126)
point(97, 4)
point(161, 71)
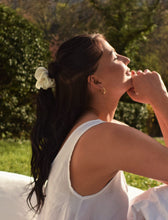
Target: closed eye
point(115, 55)
point(115, 58)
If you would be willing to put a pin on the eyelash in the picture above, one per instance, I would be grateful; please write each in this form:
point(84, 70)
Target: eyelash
point(115, 58)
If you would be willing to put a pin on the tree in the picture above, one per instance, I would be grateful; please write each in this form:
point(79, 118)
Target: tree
point(154, 55)
point(126, 22)
point(59, 19)
point(23, 48)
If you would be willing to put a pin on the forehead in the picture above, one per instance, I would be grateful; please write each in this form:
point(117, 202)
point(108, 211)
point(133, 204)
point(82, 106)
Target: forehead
point(107, 50)
point(106, 47)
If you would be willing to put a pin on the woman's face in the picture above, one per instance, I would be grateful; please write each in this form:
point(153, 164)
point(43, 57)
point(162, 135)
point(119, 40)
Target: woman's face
point(112, 70)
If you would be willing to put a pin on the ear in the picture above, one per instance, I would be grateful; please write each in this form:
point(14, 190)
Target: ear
point(93, 82)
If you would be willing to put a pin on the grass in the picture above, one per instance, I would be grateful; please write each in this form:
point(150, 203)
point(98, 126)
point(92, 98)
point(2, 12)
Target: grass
point(15, 157)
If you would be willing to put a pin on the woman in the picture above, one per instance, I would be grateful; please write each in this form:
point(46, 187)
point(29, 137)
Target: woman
point(76, 144)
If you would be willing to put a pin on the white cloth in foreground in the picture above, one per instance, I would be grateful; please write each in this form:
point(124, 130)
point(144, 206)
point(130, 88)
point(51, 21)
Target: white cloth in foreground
point(13, 195)
point(150, 205)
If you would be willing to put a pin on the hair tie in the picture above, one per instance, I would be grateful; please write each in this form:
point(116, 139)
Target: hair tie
point(43, 79)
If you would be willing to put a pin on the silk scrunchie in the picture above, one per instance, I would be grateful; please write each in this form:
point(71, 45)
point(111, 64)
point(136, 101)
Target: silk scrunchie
point(43, 80)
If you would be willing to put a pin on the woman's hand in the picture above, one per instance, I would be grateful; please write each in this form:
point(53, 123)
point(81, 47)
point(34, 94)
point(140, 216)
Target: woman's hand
point(148, 87)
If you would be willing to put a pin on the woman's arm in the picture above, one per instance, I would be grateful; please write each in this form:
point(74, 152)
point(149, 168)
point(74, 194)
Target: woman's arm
point(161, 112)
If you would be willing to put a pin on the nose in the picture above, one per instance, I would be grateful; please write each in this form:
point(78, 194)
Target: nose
point(125, 60)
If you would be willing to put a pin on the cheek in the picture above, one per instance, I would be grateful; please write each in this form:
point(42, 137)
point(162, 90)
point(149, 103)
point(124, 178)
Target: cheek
point(117, 73)
point(115, 78)
point(113, 81)
point(112, 75)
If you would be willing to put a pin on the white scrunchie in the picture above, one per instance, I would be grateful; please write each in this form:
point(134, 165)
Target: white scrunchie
point(43, 80)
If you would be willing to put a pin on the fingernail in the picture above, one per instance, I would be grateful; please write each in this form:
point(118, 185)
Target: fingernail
point(133, 72)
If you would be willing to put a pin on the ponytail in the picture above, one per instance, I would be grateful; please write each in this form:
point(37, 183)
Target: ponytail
point(44, 147)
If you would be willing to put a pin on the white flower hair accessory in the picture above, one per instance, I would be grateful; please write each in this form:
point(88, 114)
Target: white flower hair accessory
point(43, 80)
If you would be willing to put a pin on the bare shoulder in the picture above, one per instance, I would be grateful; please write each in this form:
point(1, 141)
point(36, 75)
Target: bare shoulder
point(106, 137)
point(108, 131)
point(103, 130)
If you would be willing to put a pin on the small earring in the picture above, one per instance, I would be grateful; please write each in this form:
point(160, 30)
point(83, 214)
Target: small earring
point(103, 91)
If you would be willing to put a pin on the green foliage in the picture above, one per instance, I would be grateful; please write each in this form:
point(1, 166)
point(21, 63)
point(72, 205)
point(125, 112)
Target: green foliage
point(160, 140)
point(133, 114)
point(59, 18)
point(152, 127)
point(23, 49)
point(127, 23)
point(153, 54)
point(77, 18)
point(141, 182)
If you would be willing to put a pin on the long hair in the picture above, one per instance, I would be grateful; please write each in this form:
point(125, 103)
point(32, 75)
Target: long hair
point(57, 112)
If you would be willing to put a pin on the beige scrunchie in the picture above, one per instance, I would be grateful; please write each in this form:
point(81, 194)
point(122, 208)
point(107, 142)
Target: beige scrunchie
point(43, 80)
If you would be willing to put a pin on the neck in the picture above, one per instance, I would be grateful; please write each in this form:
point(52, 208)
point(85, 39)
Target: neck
point(105, 109)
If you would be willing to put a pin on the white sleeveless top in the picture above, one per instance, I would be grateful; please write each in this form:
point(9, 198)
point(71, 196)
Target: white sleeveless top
point(63, 203)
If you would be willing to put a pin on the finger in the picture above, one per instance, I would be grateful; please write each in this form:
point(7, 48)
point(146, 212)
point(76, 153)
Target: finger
point(133, 73)
point(147, 71)
point(139, 72)
point(155, 72)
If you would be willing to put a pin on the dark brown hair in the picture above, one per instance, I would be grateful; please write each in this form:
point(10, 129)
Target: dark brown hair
point(58, 111)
